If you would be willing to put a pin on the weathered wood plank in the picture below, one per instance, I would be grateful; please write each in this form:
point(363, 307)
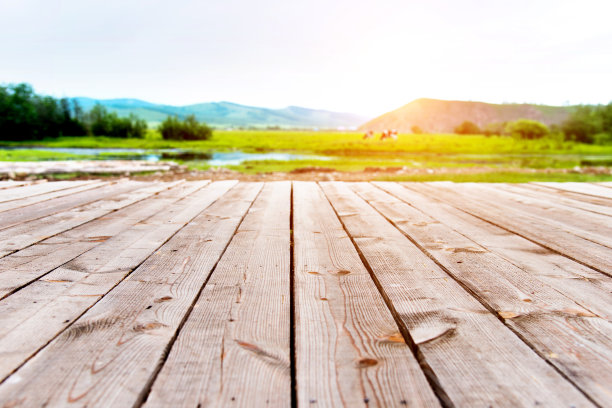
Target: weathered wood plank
point(549, 196)
point(27, 265)
point(349, 350)
point(59, 192)
point(549, 236)
point(234, 346)
point(476, 359)
point(538, 312)
point(110, 354)
point(33, 190)
point(591, 226)
point(582, 188)
point(23, 235)
point(590, 288)
point(599, 201)
point(35, 315)
point(60, 204)
point(12, 184)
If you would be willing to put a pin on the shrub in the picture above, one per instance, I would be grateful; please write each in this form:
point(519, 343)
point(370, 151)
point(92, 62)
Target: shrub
point(527, 129)
point(104, 123)
point(188, 129)
point(467, 128)
point(416, 130)
point(588, 121)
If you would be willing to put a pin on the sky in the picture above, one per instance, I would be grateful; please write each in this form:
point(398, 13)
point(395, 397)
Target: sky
point(356, 56)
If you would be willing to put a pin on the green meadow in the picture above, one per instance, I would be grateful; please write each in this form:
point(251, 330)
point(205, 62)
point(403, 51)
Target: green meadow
point(504, 158)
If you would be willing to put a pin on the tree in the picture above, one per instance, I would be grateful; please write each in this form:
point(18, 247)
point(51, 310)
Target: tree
point(588, 124)
point(101, 122)
point(527, 129)
point(467, 128)
point(188, 129)
point(24, 115)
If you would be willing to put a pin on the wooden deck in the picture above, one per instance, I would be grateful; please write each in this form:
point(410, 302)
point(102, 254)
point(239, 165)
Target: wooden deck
point(305, 294)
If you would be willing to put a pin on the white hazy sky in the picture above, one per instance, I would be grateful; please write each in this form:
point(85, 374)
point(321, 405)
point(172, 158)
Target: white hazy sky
point(347, 55)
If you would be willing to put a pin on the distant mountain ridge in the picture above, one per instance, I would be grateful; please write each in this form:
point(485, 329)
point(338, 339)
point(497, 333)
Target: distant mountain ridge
point(224, 114)
point(440, 116)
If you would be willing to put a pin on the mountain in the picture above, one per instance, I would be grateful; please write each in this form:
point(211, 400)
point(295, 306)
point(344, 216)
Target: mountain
point(224, 114)
point(438, 116)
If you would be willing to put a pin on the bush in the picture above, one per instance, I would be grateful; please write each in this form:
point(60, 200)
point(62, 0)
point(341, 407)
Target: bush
point(527, 129)
point(416, 130)
point(104, 123)
point(602, 138)
point(173, 128)
point(467, 128)
point(587, 124)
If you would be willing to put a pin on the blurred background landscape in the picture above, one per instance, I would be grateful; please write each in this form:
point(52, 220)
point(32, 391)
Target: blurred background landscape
point(350, 91)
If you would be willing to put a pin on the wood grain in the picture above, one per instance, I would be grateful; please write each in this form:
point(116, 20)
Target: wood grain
point(36, 314)
point(27, 265)
point(549, 236)
point(191, 294)
point(594, 227)
point(582, 188)
point(60, 191)
point(548, 196)
point(234, 347)
point(11, 183)
point(539, 313)
point(588, 287)
point(349, 350)
point(41, 209)
point(23, 235)
point(111, 353)
point(566, 194)
point(33, 190)
point(452, 330)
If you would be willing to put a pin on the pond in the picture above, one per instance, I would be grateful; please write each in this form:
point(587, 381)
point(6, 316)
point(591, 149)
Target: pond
point(211, 158)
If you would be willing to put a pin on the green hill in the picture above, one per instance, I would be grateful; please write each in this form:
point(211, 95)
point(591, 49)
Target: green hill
point(224, 114)
point(438, 116)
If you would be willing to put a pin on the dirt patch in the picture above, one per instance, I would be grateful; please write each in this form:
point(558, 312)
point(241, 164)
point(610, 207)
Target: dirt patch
point(318, 173)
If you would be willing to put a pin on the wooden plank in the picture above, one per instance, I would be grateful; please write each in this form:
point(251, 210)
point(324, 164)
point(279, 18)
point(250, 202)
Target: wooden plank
point(582, 188)
point(29, 264)
point(477, 360)
point(525, 190)
point(42, 209)
point(111, 353)
point(590, 288)
point(12, 183)
point(26, 201)
point(23, 235)
point(599, 201)
point(234, 346)
point(349, 349)
point(574, 247)
point(40, 188)
point(36, 314)
point(593, 227)
point(538, 312)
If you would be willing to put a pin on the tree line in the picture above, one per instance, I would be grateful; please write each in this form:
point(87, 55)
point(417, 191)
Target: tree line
point(25, 115)
point(586, 124)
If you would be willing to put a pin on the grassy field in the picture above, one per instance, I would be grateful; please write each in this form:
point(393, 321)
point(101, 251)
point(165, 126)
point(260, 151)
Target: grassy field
point(347, 152)
point(334, 143)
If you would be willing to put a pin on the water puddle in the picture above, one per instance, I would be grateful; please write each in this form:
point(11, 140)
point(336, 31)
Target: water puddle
point(211, 158)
